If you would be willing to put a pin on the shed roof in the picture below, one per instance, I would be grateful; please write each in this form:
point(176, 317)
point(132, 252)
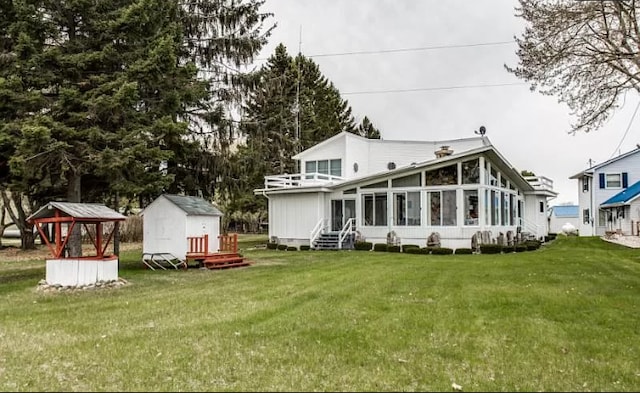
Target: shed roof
point(87, 211)
point(193, 206)
point(566, 211)
point(624, 197)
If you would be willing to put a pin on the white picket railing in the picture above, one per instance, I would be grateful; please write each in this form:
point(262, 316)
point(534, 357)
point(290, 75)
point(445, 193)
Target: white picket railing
point(299, 180)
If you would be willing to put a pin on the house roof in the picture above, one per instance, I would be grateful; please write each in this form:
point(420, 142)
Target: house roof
point(86, 211)
point(193, 206)
point(624, 197)
point(566, 211)
point(590, 171)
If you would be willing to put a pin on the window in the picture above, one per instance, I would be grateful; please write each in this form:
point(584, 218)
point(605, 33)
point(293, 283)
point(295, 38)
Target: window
point(586, 219)
point(381, 184)
point(407, 181)
point(541, 204)
point(335, 167)
point(406, 208)
point(613, 180)
point(505, 209)
point(493, 177)
point(503, 181)
point(495, 207)
point(325, 167)
point(512, 203)
point(442, 208)
point(443, 176)
point(374, 209)
point(470, 207)
point(471, 172)
point(585, 183)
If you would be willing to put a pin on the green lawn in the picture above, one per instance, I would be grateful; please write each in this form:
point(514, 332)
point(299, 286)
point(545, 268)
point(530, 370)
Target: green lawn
point(565, 317)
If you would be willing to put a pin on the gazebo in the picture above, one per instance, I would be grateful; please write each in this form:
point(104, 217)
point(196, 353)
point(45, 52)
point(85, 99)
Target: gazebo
point(80, 270)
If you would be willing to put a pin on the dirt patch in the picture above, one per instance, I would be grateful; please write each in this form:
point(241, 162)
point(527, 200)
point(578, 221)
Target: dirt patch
point(13, 253)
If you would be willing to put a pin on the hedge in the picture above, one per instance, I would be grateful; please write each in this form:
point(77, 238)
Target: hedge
point(363, 246)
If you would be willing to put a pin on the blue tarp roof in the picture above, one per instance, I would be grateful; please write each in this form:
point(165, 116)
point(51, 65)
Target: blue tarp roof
point(623, 197)
point(566, 211)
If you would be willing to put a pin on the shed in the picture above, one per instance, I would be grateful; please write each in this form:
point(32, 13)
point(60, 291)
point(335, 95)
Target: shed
point(170, 219)
point(563, 214)
point(86, 269)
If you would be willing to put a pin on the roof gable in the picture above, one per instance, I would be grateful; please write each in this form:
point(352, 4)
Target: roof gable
point(80, 211)
point(193, 206)
point(608, 162)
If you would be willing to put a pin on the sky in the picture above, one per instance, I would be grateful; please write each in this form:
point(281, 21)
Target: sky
point(416, 83)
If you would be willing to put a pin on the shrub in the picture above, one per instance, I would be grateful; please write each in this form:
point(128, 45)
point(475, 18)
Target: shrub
point(393, 248)
point(406, 247)
point(413, 250)
point(426, 250)
point(305, 247)
point(490, 249)
point(380, 247)
point(460, 251)
point(272, 246)
point(508, 249)
point(442, 251)
point(532, 245)
point(292, 248)
point(363, 246)
point(282, 246)
point(521, 248)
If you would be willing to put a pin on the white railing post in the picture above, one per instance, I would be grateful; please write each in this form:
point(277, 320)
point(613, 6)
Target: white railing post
point(316, 231)
point(347, 229)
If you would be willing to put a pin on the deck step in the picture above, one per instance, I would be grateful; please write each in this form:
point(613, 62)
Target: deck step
point(226, 265)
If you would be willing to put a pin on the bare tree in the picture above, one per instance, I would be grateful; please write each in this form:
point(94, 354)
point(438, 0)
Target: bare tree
point(587, 53)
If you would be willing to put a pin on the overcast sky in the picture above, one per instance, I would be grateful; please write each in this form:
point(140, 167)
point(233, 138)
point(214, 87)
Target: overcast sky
point(529, 129)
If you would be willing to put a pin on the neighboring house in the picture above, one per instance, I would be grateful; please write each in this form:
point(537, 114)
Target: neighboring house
point(170, 219)
point(608, 196)
point(373, 188)
point(562, 214)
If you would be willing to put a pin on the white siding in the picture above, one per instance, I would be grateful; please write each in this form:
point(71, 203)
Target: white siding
point(585, 201)
point(535, 220)
point(556, 223)
point(293, 216)
point(77, 272)
point(356, 152)
point(164, 228)
point(203, 225)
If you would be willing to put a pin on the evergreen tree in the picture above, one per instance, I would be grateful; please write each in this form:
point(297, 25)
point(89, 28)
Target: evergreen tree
point(119, 98)
point(367, 130)
point(292, 108)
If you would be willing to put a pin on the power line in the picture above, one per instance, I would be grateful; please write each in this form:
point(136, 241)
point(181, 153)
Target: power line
point(415, 49)
point(411, 49)
point(434, 88)
point(627, 130)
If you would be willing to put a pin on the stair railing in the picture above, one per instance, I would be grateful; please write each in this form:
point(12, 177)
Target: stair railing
point(347, 229)
point(319, 229)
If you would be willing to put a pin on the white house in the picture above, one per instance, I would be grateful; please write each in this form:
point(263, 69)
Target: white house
point(561, 215)
point(170, 219)
point(373, 188)
point(608, 196)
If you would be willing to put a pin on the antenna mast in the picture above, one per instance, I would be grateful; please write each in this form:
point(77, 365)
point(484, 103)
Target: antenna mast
point(297, 107)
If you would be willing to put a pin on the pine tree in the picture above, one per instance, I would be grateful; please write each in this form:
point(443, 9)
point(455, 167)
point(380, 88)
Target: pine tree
point(367, 130)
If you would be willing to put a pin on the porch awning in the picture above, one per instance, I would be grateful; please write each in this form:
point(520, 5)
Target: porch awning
point(624, 197)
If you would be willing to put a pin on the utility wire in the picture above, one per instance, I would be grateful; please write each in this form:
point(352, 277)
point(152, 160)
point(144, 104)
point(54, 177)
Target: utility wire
point(433, 88)
point(412, 49)
point(627, 130)
point(423, 48)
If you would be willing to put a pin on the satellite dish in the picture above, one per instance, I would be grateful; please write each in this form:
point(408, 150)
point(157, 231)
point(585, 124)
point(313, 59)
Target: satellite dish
point(481, 131)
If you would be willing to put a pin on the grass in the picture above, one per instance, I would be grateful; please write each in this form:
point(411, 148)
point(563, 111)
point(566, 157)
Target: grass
point(563, 318)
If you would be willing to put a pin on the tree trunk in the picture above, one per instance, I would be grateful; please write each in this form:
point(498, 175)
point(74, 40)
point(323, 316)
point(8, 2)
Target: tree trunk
point(19, 217)
point(116, 228)
point(74, 244)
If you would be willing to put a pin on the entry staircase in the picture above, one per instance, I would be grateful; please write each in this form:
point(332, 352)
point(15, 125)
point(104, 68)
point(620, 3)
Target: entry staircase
point(323, 239)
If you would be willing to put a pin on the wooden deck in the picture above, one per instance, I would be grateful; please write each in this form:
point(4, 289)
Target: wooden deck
point(226, 257)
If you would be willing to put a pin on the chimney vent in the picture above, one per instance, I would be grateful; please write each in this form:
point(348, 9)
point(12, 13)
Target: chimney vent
point(443, 152)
